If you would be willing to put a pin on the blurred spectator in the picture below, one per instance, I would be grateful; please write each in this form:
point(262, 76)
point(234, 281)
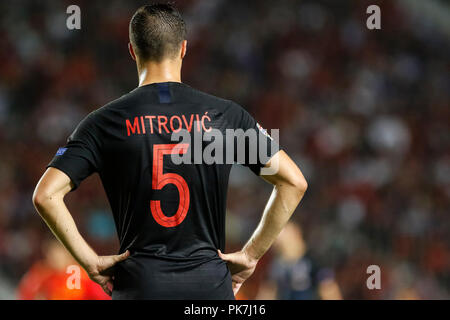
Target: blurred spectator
point(47, 279)
point(294, 274)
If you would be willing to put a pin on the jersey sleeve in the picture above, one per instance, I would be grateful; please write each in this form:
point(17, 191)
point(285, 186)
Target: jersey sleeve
point(80, 157)
point(254, 147)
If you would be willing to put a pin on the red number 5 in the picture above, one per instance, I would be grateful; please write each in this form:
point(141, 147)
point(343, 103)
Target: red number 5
point(160, 179)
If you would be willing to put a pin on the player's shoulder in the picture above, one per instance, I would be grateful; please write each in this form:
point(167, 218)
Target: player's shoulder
point(109, 107)
point(195, 95)
point(218, 103)
point(115, 104)
point(228, 110)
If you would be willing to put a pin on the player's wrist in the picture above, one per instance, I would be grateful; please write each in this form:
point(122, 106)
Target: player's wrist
point(92, 266)
point(251, 256)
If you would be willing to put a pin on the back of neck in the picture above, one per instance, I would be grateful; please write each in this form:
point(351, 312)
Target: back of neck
point(165, 71)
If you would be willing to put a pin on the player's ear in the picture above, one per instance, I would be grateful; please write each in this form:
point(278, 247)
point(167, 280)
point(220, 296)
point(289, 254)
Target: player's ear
point(130, 48)
point(183, 49)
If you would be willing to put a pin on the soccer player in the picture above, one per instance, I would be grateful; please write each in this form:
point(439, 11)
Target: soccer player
point(47, 278)
point(170, 218)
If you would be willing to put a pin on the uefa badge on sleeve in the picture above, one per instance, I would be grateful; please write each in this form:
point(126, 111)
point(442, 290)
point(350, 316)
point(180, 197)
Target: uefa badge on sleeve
point(61, 151)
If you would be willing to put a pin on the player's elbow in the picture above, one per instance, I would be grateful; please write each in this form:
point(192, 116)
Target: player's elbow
point(38, 199)
point(41, 198)
point(299, 183)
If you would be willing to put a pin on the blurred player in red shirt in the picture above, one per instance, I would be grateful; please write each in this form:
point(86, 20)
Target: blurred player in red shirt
point(50, 279)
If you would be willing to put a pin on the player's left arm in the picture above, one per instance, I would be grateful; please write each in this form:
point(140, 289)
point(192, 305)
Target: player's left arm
point(48, 199)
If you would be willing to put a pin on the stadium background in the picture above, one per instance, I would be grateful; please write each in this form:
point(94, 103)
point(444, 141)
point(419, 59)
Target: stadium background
point(364, 113)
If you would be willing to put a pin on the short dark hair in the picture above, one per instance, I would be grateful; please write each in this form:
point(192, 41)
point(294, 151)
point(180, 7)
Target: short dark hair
point(157, 31)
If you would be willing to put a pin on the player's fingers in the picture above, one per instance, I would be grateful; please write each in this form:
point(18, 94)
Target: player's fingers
point(225, 256)
point(110, 261)
point(221, 255)
point(122, 256)
point(105, 287)
point(236, 287)
point(110, 285)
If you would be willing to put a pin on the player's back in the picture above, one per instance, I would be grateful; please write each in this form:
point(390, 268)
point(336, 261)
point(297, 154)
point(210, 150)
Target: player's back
point(169, 215)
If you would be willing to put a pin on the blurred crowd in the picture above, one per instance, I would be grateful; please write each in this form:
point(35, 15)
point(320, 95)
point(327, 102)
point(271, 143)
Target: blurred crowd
point(365, 114)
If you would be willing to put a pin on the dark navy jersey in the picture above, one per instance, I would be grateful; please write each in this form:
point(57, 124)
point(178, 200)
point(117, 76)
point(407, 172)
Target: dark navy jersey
point(170, 216)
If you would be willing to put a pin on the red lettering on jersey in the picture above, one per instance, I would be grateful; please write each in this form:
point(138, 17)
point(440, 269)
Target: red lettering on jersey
point(150, 120)
point(162, 124)
point(143, 125)
point(188, 127)
point(165, 124)
point(133, 128)
point(179, 122)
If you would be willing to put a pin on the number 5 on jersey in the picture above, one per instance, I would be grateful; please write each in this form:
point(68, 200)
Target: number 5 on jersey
point(160, 180)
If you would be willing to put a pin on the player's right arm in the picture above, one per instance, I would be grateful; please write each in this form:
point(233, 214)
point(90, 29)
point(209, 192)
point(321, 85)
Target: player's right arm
point(71, 165)
point(289, 187)
point(48, 199)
